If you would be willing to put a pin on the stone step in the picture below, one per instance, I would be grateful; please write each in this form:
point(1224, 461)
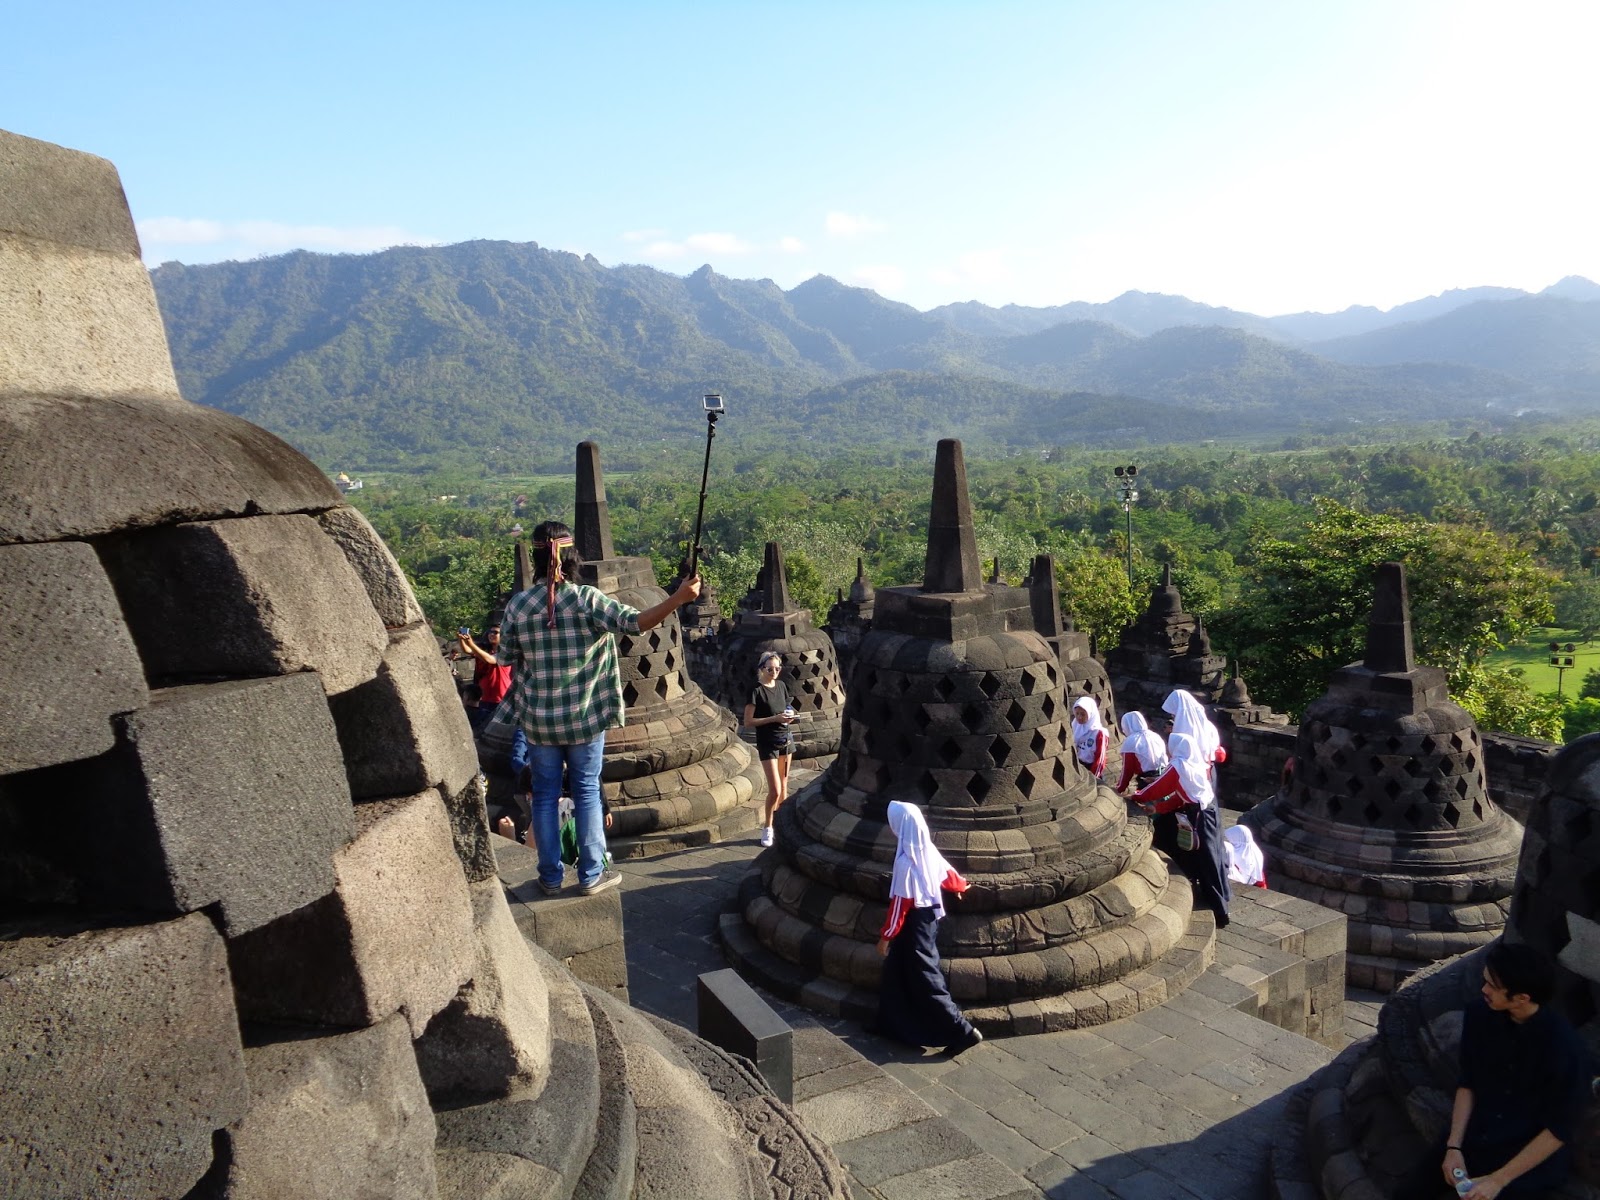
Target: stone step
point(889, 1139)
point(742, 819)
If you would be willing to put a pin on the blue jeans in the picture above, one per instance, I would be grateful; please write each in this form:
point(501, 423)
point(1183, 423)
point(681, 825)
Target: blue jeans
point(582, 764)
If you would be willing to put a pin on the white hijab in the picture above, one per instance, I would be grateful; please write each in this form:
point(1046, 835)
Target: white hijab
point(1143, 742)
point(1194, 772)
point(1084, 733)
point(1188, 717)
point(1245, 861)
point(919, 868)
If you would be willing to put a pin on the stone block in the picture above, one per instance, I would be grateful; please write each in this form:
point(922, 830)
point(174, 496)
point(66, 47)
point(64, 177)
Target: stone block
point(76, 322)
point(259, 596)
point(340, 1116)
point(404, 729)
point(122, 1056)
point(380, 574)
point(54, 194)
point(132, 462)
point(469, 826)
point(220, 793)
point(67, 661)
point(494, 1037)
point(730, 1014)
point(395, 934)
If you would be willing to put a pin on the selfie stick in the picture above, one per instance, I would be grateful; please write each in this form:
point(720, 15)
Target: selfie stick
point(713, 407)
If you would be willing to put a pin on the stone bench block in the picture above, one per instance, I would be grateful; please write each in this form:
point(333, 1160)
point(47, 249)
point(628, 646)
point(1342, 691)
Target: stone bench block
point(333, 1116)
point(221, 793)
point(67, 661)
point(584, 933)
point(494, 1037)
point(380, 574)
point(259, 596)
point(730, 1014)
point(121, 1057)
point(404, 729)
point(395, 934)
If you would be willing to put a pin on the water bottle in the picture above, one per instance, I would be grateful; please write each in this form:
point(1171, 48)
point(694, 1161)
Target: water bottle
point(1463, 1183)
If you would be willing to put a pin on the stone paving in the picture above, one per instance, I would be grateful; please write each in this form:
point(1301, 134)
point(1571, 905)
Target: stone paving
point(1178, 1102)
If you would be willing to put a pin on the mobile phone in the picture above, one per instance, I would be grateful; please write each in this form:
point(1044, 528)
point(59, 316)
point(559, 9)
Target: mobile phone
point(464, 631)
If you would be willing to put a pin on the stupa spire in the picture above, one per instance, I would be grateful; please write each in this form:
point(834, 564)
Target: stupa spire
point(953, 564)
point(776, 581)
point(592, 519)
point(1389, 631)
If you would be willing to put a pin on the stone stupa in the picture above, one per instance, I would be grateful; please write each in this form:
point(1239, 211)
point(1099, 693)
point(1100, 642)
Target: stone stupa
point(850, 618)
point(1385, 816)
point(1082, 673)
point(1165, 648)
point(252, 939)
point(810, 670)
point(958, 705)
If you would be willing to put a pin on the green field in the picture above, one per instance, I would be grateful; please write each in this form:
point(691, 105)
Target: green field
point(1533, 657)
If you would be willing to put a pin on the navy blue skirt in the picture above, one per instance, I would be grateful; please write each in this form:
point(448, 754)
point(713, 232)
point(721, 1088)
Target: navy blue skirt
point(914, 1004)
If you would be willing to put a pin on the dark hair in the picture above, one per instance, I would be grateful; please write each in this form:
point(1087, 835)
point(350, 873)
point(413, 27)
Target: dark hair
point(571, 560)
point(1521, 970)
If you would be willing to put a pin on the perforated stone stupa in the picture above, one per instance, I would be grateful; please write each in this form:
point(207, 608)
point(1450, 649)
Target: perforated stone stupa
point(810, 671)
point(957, 704)
point(1369, 1115)
point(676, 774)
point(252, 942)
point(1386, 817)
point(1165, 648)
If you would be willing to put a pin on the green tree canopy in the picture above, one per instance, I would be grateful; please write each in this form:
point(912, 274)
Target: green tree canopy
point(1304, 604)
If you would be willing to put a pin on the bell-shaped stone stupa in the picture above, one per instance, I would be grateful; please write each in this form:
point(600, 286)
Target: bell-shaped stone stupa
point(850, 618)
point(1385, 816)
point(1082, 674)
point(1165, 648)
point(810, 671)
point(281, 964)
point(958, 705)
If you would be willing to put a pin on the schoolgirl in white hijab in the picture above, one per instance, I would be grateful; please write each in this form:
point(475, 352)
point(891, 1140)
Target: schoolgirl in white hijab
point(1189, 717)
point(1144, 754)
point(1246, 864)
point(914, 1002)
point(1089, 737)
point(1186, 792)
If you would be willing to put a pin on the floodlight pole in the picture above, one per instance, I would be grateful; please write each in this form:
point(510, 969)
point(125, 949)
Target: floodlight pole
point(1129, 493)
point(705, 473)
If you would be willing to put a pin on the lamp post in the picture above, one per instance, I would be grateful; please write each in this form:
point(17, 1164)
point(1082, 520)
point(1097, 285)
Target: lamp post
point(1561, 659)
point(1128, 490)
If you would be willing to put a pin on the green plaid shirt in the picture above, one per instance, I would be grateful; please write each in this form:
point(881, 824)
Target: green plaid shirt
point(568, 687)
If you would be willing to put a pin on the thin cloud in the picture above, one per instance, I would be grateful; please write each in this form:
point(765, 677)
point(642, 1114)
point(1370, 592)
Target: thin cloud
point(271, 237)
point(881, 278)
point(718, 243)
point(665, 250)
point(791, 245)
point(851, 225)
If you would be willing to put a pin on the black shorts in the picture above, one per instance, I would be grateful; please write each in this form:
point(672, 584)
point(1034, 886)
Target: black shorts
point(770, 750)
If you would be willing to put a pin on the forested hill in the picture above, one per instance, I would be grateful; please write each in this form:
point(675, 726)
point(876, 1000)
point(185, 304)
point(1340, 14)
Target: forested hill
point(507, 353)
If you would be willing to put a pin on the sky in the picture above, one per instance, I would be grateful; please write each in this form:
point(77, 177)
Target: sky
point(1272, 157)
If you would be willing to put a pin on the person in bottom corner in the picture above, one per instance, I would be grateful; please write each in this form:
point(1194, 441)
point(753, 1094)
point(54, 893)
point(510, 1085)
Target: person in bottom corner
point(1089, 738)
point(1523, 1083)
point(770, 714)
point(1187, 792)
point(914, 1002)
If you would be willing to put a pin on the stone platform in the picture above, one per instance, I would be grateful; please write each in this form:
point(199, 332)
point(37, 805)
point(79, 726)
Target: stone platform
point(1174, 1103)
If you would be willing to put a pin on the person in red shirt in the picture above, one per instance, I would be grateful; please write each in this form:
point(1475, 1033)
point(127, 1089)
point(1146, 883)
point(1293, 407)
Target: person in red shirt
point(492, 678)
point(1186, 791)
point(914, 1002)
point(1089, 737)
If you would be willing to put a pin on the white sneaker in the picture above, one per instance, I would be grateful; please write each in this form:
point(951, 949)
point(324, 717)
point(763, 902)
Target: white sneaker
point(766, 835)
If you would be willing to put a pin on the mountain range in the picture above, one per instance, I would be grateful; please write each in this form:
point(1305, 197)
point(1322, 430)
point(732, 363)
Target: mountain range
point(505, 353)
